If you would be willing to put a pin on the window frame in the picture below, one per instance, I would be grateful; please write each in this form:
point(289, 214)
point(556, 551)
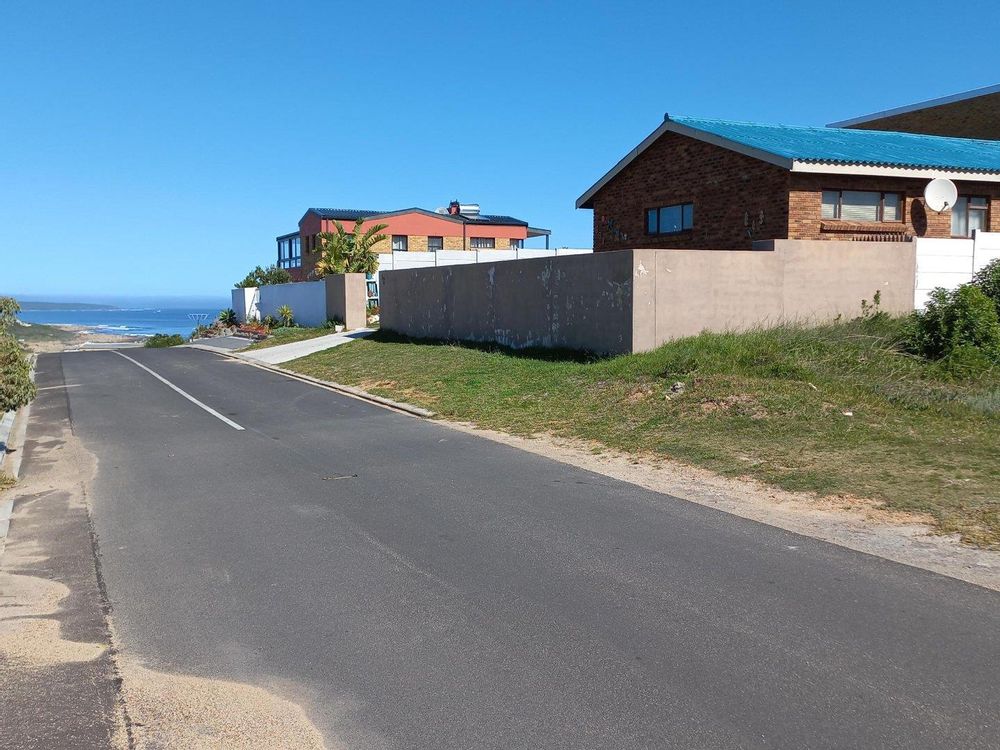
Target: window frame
point(435, 237)
point(655, 210)
point(881, 206)
point(968, 208)
point(406, 243)
point(474, 240)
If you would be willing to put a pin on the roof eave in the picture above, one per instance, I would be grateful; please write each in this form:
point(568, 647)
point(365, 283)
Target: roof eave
point(886, 170)
point(906, 109)
point(584, 201)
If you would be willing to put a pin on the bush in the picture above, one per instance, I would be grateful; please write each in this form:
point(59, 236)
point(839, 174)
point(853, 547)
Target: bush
point(954, 322)
point(287, 316)
point(269, 321)
point(988, 280)
point(162, 340)
point(16, 388)
point(228, 317)
point(265, 277)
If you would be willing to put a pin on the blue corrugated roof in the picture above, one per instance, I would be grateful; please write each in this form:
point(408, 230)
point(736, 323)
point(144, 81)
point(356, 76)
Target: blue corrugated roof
point(849, 146)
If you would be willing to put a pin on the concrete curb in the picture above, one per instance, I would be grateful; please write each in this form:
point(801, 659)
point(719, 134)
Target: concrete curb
point(347, 390)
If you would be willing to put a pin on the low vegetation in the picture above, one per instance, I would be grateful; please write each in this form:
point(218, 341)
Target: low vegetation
point(843, 409)
point(264, 277)
point(16, 386)
point(163, 340)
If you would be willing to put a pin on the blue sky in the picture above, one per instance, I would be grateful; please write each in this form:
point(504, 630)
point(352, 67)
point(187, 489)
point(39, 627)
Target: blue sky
point(158, 148)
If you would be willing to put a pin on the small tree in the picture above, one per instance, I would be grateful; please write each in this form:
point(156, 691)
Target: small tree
point(987, 279)
point(286, 315)
point(264, 277)
point(16, 388)
point(343, 252)
point(228, 317)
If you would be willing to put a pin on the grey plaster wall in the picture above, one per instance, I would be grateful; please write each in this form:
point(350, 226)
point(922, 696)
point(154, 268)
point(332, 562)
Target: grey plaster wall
point(577, 302)
point(636, 300)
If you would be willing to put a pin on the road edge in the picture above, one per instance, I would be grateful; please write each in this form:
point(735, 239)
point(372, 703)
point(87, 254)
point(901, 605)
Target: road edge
point(845, 534)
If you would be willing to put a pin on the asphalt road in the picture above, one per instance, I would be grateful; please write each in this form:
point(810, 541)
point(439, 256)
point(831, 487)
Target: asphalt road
point(416, 587)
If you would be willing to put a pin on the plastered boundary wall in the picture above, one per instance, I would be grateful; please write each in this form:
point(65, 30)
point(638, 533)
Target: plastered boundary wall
point(342, 297)
point(684, 292)
point(635, 300)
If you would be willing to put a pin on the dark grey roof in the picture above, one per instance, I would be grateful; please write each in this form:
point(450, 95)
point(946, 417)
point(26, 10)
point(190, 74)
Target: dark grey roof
point(344, 213)
point(493, 219)
point(353, 214)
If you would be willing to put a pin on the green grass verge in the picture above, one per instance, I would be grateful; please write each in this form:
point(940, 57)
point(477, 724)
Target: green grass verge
point(837, 410)
point(289, 335)
point(38, 333)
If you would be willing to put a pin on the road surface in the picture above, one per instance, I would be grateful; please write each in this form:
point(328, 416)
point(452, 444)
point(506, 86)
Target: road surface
point(410, 586)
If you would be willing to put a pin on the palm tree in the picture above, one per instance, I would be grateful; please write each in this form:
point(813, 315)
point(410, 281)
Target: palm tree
point(341, 252)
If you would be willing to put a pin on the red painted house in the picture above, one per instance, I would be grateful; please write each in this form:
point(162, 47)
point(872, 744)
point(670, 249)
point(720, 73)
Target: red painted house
point(458, 227)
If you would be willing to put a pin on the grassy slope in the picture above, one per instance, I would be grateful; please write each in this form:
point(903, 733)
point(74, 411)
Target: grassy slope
point(289, 335)
point(38, 333)
point(769, 404)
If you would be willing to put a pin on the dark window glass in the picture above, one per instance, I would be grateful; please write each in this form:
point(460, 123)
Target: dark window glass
point(435, 243)
point(670, 219)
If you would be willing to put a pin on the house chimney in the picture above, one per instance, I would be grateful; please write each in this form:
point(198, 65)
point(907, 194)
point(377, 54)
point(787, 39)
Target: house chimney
point(453, 207)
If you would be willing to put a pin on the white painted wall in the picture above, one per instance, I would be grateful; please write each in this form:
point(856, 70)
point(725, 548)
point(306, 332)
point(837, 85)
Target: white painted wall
point(306, 298)
point(951, 263)
point(245, 304)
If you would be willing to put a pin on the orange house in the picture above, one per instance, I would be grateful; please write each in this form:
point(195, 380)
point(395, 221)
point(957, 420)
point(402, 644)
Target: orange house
point(459, 227)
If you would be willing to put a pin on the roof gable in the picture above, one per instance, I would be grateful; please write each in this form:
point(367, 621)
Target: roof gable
point(814, 149)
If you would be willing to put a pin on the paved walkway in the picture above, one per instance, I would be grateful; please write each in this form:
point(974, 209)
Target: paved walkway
point(286, 352)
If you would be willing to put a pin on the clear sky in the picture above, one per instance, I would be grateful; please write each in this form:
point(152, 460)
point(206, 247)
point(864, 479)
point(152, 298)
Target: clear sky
point(158, 148)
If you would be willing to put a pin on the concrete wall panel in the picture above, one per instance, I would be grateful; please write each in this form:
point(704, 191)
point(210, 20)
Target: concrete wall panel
point(306, 298)
point(577, 302)
point(635, 300)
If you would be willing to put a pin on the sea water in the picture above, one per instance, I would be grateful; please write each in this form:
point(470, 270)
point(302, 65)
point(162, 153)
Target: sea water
point(144, 321)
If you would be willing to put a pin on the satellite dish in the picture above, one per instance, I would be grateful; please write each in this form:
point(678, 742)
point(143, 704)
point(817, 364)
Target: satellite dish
point(940, 194)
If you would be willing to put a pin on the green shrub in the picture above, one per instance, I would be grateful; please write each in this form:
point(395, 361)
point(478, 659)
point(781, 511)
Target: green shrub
point(228, 317)
point(162, 340)
point(16, 388)
point(952, 320)
point(287, 316)
point(988, 280)
point(264, 277)
point(269, 321)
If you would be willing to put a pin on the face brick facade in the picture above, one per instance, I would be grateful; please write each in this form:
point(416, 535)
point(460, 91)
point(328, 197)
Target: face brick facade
point(739, 199)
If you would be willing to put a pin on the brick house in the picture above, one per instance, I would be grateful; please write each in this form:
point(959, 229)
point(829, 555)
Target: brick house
point(460, 226)
point(712, 184)
point(970, 114)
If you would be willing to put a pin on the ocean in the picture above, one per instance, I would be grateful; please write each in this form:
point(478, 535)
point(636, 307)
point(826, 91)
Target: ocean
point(144, 321)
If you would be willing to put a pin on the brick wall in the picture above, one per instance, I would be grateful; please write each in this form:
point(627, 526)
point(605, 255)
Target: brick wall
point(725, 187)
point(728, 189)
point(978, 117)
point(805, 199)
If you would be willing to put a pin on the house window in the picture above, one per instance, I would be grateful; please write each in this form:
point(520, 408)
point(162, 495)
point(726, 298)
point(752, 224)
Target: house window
point(516, 244)
point(435, 243)
point(862, 205)
point(970, 212)
point(399, 242)
point(483, 243)
point(670, 219)
point(289, 253)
